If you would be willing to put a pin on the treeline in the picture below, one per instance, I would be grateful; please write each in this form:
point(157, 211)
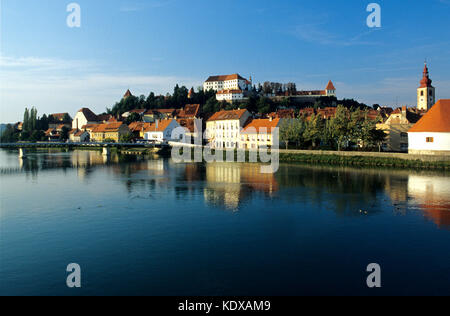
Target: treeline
point(33, 127)
point(346, 129)
point(255, 101)
point(177, 100)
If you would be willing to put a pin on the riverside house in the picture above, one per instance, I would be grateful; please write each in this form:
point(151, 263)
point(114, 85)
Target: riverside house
point(396, 127)
point(78, 136)
point(109, 132)
point(431, 135)
point(161, 131)
point(259, 133)
point(224, 128)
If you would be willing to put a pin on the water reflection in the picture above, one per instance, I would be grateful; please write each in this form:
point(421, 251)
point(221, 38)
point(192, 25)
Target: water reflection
point(345, 191)
point(433, 197)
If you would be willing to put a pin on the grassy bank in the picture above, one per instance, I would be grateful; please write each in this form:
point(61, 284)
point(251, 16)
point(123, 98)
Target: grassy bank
point(363, 161)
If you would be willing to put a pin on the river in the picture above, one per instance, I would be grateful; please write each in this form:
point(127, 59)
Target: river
point(141, 226)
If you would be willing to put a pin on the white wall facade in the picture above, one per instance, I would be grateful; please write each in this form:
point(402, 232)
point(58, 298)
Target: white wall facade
point(226, 133)
point(230, 96)
point(431, 143)
point(236, 84)
point(163, 136)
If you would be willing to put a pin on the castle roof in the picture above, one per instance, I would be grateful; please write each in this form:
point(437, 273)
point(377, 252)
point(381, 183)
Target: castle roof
point(225, 78)
point(330, 86)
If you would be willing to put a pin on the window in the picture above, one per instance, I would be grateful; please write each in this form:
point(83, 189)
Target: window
point(421, 93)
point(430, 139)
point(404, 135)
point(431, 93)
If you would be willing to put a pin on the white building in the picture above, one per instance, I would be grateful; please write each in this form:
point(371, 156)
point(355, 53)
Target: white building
point(431, 134)
point(227, 82)
point(161, 131)
point(84, 117)
point(224, 128)
point(79, 136)
point(229, 95)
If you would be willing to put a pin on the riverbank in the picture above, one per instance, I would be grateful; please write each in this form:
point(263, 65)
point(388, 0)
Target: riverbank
point(364, 161)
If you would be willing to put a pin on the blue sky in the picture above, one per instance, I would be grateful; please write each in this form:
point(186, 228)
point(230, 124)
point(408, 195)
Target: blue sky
point(149, 45)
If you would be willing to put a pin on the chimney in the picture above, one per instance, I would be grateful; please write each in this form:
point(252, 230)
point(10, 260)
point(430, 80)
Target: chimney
point(156, 124)
point(270, 118)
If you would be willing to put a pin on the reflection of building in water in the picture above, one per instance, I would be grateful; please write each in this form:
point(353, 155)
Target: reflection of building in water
point(229, 183)
point(397, 189)
point(155, 166)
point(433, 195)
point(83, 160)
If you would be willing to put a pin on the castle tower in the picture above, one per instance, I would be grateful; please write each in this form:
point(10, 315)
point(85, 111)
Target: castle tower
point(330, 90)
point(426, 96)
point(127, 94)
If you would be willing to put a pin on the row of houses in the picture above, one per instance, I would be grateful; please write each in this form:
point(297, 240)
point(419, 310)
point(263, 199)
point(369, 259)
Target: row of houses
point(153, 125)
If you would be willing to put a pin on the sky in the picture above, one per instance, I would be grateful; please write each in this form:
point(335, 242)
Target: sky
point(151, 45)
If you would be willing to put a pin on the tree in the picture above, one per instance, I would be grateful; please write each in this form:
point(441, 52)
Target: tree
point(339, 126)
point(314, 129)
point(64, 133)
point(67, 118)
point(26, 121)
point(292, 131)
point(134, 117)
point(126, 138)
point(9, 135)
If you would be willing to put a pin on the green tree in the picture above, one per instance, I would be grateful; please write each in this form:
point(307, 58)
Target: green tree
point(126, 138)
point(26, 121)
point(9, 135)
point(291, 131)
point(64, 133)
point(314, 129)
point(67, 118)
point(339, 127)
point(134, 117)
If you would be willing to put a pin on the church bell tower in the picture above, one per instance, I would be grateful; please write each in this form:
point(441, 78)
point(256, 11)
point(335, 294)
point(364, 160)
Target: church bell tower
point(426, 96)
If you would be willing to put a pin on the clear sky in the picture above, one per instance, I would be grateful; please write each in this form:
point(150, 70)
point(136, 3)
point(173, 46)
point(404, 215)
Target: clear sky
point(149, 45)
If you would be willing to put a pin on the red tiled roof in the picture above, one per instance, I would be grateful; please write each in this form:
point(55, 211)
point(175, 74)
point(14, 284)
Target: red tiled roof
point(188, 123)
point(426, 81)
point(229, 91)
point(189, 111)
point(330, 86)
point(311, 92)
point(104, 117)
point(227, 115)
point(436, 120)
point(59, 116)
point(127, 94)
point(89, 126)
point(260, 125)
point(225, 78)
point(286, 114)
point(105, 128)
point(138, 126)
point(160, 126)
point(89, 115)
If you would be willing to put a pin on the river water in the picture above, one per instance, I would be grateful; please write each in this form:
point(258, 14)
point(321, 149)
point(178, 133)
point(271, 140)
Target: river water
point(153, 227)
